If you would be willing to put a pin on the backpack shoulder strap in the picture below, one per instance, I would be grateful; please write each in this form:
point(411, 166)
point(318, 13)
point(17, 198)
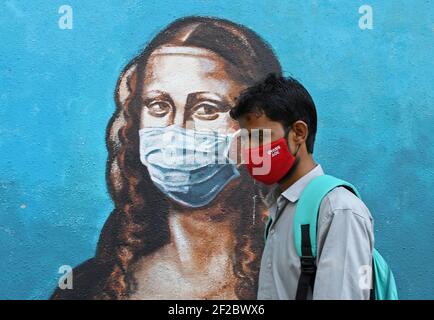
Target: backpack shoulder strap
point(305, 227)
point(307, 209)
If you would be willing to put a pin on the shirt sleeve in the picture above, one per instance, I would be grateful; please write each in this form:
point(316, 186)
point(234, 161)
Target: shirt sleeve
point(345, 244)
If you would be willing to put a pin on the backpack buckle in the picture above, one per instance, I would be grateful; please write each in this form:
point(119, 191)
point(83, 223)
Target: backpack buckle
point(307, 264)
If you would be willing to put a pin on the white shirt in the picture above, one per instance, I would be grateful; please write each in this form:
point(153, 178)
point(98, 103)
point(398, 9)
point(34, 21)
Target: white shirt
point(345, 241)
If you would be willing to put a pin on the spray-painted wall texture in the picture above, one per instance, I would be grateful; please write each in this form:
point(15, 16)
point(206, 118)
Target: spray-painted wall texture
point(87, 89)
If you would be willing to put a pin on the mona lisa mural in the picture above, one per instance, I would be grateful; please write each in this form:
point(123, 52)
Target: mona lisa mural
point(95, 95)
point(194, 235)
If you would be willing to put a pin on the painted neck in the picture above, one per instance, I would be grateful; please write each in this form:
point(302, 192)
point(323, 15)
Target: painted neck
point(200, 235)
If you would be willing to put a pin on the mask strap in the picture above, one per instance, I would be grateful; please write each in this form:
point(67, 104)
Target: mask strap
point(286, 138)
point(231, 137)
point(297, 160)
point(236, 133)
point(298, 148)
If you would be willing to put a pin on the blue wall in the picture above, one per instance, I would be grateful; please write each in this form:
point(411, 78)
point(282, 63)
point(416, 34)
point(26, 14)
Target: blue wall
point(373, 90)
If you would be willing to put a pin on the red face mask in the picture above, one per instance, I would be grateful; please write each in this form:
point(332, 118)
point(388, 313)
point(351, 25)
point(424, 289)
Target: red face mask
point(269, 163)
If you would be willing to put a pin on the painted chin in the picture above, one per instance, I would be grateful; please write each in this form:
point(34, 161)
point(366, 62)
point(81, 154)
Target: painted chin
point(231, 190)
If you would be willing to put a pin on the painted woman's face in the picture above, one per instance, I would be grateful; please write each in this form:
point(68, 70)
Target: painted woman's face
point(189, 89)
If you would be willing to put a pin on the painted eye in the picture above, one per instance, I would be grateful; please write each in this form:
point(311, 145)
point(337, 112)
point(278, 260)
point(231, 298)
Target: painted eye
point(206, 111)
point(158, 109)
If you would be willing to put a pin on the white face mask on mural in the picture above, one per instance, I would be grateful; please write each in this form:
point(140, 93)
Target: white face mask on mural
point(190, 166)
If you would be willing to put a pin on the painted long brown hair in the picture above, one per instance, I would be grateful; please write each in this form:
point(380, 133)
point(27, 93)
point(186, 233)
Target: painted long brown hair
point(138, 225)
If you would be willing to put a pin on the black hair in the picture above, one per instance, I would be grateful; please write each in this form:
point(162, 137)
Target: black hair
point(282, 99)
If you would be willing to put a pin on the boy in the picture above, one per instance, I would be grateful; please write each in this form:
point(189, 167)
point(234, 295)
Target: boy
point(345, 237)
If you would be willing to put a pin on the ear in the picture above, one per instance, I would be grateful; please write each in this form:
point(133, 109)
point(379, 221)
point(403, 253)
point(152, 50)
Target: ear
point(299, 132)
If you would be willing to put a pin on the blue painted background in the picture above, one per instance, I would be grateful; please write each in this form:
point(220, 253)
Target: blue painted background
point(373, 90)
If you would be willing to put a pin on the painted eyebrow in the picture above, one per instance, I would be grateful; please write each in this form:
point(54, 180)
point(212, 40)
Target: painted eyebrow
point(202, 95)
point(192, 98)
point(152, 95)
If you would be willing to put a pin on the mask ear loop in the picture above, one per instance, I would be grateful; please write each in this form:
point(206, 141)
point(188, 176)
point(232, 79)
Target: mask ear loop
point(297, 159)
point(231, 138)
point(286, 140)
point(296, 151)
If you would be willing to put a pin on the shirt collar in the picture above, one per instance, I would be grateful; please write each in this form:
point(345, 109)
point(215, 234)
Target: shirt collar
point(294, 191)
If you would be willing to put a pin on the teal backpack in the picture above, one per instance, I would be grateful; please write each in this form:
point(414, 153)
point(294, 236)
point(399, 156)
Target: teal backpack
point(305, 229)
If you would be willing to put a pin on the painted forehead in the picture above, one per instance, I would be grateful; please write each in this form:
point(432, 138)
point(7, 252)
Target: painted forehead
point(208, 60)
point(183, 69)
point(164, 60)
point(184, 50)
